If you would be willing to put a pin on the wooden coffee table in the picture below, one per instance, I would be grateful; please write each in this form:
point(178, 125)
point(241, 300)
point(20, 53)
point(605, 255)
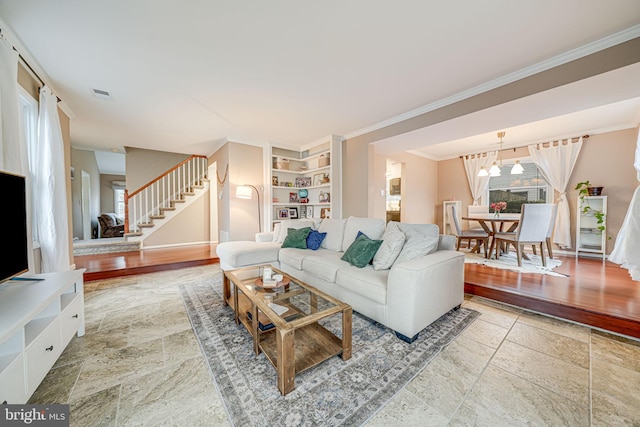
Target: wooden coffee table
point(293, 341)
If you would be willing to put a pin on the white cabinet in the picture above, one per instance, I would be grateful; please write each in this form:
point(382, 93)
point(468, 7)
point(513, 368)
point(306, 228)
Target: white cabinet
point(37, 321)
point(306, 184)
point(591, 225)
point(446, 224)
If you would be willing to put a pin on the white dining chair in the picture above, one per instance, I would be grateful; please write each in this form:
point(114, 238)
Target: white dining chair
point(549, 239)
point(533, 229)
point(476, 210)
point(480, 236)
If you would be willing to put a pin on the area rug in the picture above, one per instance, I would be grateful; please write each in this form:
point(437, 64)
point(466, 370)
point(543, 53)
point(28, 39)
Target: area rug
point(333, 393)
point(509, 261)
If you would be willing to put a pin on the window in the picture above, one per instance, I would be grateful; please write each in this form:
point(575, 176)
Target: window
point(529, 187)
point(118, 198)
point(29, 132)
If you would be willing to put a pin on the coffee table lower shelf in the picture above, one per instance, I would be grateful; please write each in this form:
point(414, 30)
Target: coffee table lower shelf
point(313, 345)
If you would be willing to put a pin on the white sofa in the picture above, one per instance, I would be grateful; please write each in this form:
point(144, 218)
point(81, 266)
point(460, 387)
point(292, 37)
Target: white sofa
point(416, 290)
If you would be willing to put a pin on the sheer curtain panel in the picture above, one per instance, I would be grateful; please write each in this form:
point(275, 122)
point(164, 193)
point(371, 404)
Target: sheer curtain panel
point(472, 165)
point(556, 163)
point(51, 187)
point(626, 251)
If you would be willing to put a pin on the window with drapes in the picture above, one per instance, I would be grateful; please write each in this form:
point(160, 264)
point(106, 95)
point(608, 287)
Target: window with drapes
point(29, 133)
point(528, 187)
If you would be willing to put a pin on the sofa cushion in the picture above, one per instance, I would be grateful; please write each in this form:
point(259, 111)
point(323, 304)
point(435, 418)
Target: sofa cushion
point(296, 238)
point(392, 243)
point(335, 233)
point(324, 264)
point(361, 251)
point(241, 253)
point(314, 240)
point(421, 239)
point(276, 231)
point(366, 282)
point(293, 257)
point(293, 223)
point(372, 227)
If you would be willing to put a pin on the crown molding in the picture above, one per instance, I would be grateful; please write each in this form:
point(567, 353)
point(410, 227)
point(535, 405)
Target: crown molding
point(571, 55)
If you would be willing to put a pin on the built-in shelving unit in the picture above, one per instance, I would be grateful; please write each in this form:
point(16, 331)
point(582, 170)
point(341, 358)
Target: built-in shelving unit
point(306, 184)
point(589, 237)
point(37, 320)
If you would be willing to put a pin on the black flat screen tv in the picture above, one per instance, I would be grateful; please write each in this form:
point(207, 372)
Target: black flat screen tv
point(13, 217)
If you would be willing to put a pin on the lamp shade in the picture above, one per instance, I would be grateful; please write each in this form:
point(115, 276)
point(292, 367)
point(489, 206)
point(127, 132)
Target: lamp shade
point(243, 192)
point(495, 170)
point(483, 172)
point(517, 169)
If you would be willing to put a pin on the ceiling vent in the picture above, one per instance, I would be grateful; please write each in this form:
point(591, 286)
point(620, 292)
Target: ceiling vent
point(102, 94)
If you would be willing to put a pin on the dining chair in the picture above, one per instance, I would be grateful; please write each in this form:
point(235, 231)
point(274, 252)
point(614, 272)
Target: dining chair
point(480, 236)
point(552, 225)
point(533, 229)
point(476, 210)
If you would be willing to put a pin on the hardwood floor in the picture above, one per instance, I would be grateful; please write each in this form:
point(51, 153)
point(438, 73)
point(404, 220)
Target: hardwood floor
point(596, 293)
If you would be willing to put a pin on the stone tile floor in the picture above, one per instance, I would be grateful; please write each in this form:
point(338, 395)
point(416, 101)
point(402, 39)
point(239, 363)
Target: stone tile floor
point(139, 364)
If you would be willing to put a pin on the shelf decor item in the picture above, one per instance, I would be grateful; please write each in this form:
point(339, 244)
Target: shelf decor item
point(585, 189)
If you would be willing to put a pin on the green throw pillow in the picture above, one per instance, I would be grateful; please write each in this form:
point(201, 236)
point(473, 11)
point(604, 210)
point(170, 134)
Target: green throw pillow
point(296, 238)
point(361, 251)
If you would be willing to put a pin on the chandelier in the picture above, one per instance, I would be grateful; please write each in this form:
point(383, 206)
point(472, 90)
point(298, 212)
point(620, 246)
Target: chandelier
point(517, 168)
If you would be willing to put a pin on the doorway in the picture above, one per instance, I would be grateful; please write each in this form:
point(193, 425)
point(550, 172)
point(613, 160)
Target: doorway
point(394, 191)
point(86, 206)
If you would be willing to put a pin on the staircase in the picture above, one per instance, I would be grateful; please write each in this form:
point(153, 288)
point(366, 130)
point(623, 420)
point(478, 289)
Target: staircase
point(156, 202)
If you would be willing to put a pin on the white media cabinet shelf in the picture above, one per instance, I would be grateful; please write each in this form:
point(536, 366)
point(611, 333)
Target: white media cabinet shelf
point(37, 321)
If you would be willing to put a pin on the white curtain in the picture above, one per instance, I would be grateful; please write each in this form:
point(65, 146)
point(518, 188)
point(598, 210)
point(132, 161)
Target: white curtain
point(472, 165)
point(51, 187)
point(556, 163)
point(12, 157)
point(627, 248)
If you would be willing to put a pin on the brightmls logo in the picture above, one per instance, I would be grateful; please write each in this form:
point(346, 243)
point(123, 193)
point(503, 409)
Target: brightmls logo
point(34, 415)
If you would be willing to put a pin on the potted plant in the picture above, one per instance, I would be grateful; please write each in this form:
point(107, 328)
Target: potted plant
point(585, 189)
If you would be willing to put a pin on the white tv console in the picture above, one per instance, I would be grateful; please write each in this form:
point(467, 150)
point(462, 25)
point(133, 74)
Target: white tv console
point(37, 321)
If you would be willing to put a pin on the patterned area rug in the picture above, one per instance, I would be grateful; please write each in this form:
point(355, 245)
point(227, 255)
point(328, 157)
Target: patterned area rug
point(510, 262)
point(333, 393)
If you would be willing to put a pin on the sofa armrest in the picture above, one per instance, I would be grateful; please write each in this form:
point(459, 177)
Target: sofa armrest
point(422, 289)
point(266, 236)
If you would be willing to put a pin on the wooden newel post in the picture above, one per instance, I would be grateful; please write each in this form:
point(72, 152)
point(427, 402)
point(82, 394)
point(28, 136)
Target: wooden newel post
point(126, 211)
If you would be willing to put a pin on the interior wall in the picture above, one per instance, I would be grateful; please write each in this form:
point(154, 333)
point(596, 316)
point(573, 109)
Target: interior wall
point(605, 160)
point(84, 160)
point(221, 186)
point(107, 198)
point(143, 165)
point(246, 167)
point(190, 227)
point(355, 179)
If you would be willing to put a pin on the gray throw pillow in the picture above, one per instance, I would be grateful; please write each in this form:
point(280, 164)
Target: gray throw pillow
point(421, 240)
point(392, 243)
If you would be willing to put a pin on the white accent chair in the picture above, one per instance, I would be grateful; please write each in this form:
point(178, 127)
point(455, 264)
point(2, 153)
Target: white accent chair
point(533, 229)
point(476, 210)
point(480, 236)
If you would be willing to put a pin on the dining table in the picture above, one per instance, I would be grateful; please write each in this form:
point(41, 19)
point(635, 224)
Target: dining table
point(493, 224)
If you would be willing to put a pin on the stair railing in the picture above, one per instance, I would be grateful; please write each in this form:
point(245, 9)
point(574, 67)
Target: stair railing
point(150, 200)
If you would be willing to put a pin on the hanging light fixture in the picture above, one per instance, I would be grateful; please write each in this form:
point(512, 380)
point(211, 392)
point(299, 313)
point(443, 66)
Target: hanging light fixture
point(483, 172)
point(517, 169)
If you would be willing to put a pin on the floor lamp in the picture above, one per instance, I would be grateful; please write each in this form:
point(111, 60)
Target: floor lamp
point(244, 192)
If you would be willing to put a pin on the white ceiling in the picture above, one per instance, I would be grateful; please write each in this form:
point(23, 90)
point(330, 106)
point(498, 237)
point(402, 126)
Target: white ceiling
point(187, 75)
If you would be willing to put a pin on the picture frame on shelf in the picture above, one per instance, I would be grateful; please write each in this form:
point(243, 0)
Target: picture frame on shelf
point(293, 197)
point(325, 213)
point(274, 180)
point(324, 197)
point(282, 213)
point(303, 181)
point(309, 212)
point(320, 179)
point(293, 213)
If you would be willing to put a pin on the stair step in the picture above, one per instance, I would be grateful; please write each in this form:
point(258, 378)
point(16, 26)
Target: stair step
point(178, 201)
point(157, 216)
point(200, 187)
point(133, 234)
point(146, 225)
point(188, 193)
point(163, 210)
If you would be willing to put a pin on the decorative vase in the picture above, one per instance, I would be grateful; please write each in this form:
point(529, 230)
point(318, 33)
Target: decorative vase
point(497, 214)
